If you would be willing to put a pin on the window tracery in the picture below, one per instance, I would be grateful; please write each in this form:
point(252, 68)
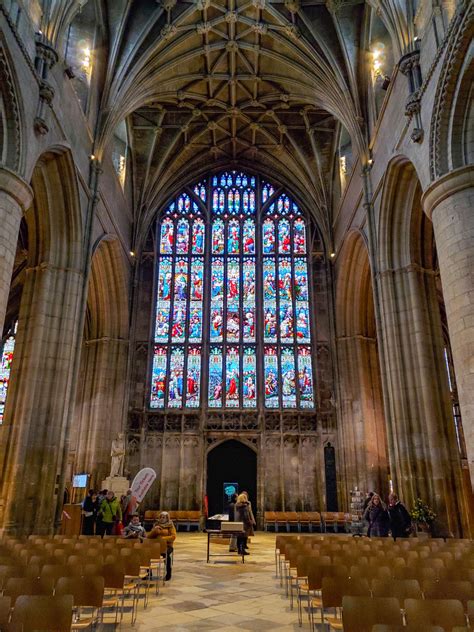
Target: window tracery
point(240, 336)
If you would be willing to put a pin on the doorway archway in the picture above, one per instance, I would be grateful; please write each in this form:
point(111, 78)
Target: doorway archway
point(230, 462)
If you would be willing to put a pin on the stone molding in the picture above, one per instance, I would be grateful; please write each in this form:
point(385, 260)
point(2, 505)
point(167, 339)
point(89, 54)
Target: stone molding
point(14, 186)
point(446, 186)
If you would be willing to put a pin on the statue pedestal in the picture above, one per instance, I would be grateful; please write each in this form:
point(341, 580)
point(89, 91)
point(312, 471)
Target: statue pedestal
point(117, 484)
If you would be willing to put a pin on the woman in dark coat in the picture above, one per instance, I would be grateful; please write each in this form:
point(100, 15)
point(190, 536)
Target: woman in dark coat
point(377, 516)
point(243, 513)
point(90, 508)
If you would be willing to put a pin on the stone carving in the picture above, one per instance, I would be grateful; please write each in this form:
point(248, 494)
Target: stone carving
point(12, 115)
point(117, 454)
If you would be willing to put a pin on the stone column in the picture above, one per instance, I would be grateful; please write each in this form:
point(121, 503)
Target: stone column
point(363, 441)
point(36, 428)
point(15, 197)
point(101, 402)
point(421, 435)
point(449, 202)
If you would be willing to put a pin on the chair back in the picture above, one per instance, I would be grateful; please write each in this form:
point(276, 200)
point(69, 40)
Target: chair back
point(401, 589)
point(333, 589)
point(422, 613)
point(86, 593)
point(359, 614)
point(43, 613)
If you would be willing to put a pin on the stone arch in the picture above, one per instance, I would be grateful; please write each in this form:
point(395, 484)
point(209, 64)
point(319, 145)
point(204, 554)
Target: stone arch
point(361, 417)
point(10, 119)
point(451, 132)
point(102, 382)
point(36, 429)
point(424, 458)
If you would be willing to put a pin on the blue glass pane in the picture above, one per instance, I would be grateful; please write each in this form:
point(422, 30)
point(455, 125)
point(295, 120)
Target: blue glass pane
point(232, 380)
point(288, 378)
point(158, 380)
point(176, 380)
point(193, 378)
point(249, 382)
point(215, 378)
point(305, 378)
point(271, 378)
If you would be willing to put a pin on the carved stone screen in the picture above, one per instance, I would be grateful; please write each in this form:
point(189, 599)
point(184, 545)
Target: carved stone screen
point(233, 319)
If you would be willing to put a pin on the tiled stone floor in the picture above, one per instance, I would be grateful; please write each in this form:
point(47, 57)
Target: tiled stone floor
point(222, 595)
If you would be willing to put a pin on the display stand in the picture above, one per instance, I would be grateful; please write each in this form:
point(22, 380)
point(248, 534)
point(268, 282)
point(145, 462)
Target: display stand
point(214, 534)
point(357, 526)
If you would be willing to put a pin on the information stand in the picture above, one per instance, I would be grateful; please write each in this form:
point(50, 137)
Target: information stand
point(214, 534)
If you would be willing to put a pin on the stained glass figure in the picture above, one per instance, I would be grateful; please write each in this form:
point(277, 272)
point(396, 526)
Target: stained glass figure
point(198, 237)
point(6, 360)
point(167, 237)
point(288, 378)
point(233, 240)
point(254, 281)
point(214, 394)
point(218, 237)
point(249, 381)
point(284, 237)
point(305, 378)
point(271, 378)
point(232, 380)
point(248, 242)
point(268, 237)
point(193, 378)
point(182, 236)
point(158, 381)
point(299, 237)
point(176, 378)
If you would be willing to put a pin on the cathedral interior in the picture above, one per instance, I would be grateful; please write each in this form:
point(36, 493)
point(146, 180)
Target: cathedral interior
point(241, 233)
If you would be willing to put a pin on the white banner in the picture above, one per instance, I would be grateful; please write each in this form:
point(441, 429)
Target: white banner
point(142, 483)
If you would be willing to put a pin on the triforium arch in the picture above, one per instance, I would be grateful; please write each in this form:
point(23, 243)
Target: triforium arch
point(36, 428)
point(423, 451)
point(100, 399)
point(363, 441)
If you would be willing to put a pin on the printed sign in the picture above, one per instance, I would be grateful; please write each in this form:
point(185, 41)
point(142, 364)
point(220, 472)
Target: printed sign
point(142, 483)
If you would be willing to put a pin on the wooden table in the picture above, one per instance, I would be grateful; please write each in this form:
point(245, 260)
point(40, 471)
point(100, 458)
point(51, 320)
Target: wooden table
point(222, 535)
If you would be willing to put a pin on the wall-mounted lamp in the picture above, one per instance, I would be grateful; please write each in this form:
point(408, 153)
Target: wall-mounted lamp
point(332, 255)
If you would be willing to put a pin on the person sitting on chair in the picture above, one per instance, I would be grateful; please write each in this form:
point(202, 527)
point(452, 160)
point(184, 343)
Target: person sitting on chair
point(134, 529)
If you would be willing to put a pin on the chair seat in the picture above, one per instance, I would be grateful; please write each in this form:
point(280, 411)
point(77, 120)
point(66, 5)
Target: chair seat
point(334, 623)
point(82, 624)
point(316, 602)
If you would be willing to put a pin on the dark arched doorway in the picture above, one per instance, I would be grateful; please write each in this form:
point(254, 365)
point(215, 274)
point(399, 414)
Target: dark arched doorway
point(230, 462)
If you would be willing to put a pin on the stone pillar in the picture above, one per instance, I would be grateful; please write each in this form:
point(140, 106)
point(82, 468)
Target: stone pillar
point(15, 197)
point(449, 202)
point(36, 428)
point(101, 402)
point(423, 452)
point(363, 441)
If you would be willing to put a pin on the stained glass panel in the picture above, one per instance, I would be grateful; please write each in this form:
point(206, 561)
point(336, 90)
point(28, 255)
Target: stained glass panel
point(249, 398)
point(167, 237)
point(268, 237)
point(248, 244)
point(193, 378)
point(302, 323)
point(299, 237)
point(288, 378)
point(6, 360)
point(301, 280)
point(198, 237)
point(271, 378)
point(215, 378)
point(158, 380)
point(305, 378)
point(232, 380)
point(218, 237)
point(284, 237)
point(176, 380)
point(233, 241)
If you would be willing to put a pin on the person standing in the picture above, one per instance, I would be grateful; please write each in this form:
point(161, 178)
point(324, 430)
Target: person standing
point(377, 516)
point(90, 509)
point(243, 513)
point(110, 512)
point(165, 529)
point(400, 519)
point(231, 508)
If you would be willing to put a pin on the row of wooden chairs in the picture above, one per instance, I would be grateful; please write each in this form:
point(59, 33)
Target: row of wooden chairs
point(310, 520)
point(180, 518)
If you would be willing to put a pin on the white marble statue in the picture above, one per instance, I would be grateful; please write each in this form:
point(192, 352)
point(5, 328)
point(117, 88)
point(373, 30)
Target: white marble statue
point(117, 453)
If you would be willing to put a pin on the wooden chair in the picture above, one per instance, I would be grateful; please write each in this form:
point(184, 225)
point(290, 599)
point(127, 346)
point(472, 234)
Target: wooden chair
point(87, 593)
point(316, 576)
point(460, 590)
point(5, 605)
point(360, 614)
point(400, 589)
point(55, 571)
point(42, 613)
point(422, 613)
point(332, 592)
point(370, 572)
point(380, 627)
point(17, 586)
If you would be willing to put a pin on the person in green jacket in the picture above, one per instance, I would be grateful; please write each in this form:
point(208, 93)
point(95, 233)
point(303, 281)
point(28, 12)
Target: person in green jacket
point(110, 512)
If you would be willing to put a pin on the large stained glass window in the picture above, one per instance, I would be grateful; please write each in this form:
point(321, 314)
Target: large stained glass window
point(232, 316)
point(6, 358)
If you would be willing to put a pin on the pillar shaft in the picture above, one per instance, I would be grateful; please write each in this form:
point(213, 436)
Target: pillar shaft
point(36, 428)
point(15, 198)
point(449, 202)
point(100, 402)
point(421, 435)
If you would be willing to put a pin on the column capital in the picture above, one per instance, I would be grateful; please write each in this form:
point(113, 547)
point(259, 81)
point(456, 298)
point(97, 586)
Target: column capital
point(446, 186)
point(14, 186)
